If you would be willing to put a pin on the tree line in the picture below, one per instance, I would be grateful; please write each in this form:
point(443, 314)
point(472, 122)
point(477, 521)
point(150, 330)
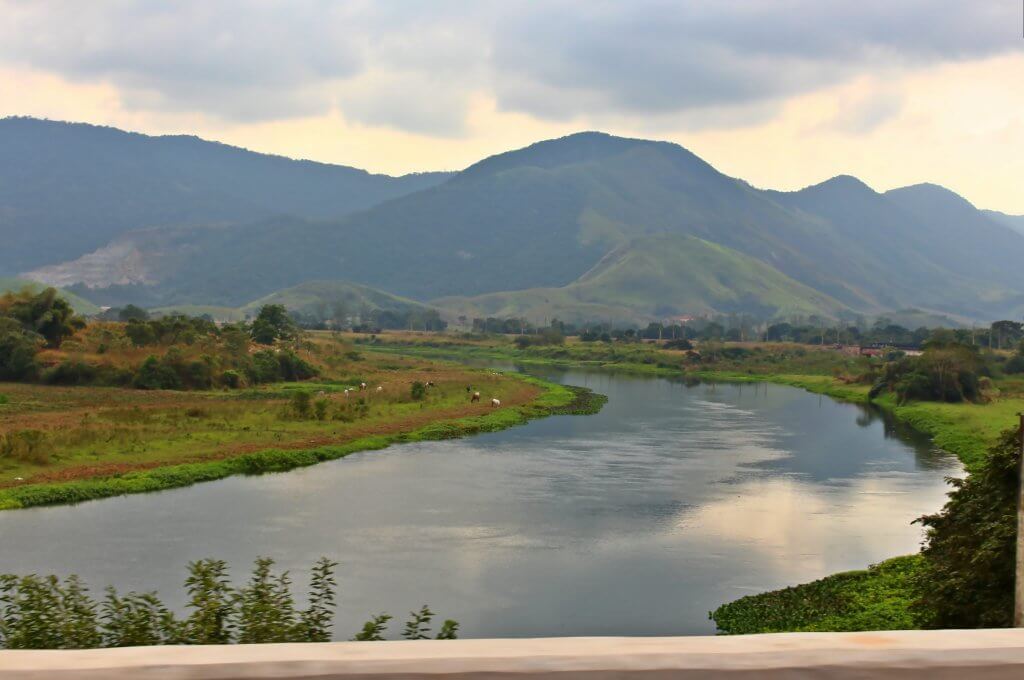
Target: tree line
point(190, 352)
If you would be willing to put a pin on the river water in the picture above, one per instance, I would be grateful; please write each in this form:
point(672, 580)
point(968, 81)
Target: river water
point(635, 521)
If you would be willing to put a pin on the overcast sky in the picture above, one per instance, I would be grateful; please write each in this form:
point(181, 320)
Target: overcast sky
point(782, 93)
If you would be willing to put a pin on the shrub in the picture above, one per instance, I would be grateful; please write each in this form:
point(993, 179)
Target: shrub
point(301, 405)
point(418, 391)
point(27, 446)
point(71, 372)
point(200, 375)
point(970, 545)
point(156, 375)
point(47, 613)
point(1015, 364)
point(18, 349)
point(231, 378)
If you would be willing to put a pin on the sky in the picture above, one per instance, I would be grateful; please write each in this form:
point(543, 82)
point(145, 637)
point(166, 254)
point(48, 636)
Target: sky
point(781, 93)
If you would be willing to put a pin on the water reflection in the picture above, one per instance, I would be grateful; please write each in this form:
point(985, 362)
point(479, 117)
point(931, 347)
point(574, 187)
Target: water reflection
point(635, 521)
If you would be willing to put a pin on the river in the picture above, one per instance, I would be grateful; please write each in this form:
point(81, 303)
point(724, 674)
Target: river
point(634, 521)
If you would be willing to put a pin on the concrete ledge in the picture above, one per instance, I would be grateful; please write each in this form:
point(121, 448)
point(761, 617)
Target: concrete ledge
point(974, 654)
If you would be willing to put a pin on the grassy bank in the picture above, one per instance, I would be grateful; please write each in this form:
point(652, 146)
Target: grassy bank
point(965, 430)
point(553, 400)
point(878, 598)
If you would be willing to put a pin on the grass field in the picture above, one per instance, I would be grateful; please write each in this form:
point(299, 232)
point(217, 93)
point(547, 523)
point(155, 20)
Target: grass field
point(61, 444)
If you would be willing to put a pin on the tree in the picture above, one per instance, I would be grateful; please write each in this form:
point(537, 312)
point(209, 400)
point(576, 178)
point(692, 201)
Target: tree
point(45, 313)
point(132, 313)
point(273, 323)
point(968, 578)
point(1007, 332)
point(18, 349)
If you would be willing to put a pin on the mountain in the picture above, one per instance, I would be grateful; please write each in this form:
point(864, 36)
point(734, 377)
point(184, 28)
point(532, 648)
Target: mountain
point(654, 277)
point(544, 216)
point(540, 216)
point(1015, 222)
point(917, 246)
point(67, 189)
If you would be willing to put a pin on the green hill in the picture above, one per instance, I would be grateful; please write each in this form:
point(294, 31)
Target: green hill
point(655, 277)
point(322, 298)
point(80, 304)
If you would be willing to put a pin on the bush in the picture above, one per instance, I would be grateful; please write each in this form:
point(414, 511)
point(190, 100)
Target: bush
point(418, 391)
point(18, 349)
point(969, 551)
point(1014, 365)
point(679, 343)
point(71, 372)
point(231, 378)
point(26, 446)
point(153, 374)
point(301, 405)
point(47, 613)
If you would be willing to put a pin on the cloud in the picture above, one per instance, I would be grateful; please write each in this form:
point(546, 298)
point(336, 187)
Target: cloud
point(865, 115)
point(416, 66)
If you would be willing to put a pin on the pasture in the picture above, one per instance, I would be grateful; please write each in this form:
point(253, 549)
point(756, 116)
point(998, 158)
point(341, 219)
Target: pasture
point(54, 434)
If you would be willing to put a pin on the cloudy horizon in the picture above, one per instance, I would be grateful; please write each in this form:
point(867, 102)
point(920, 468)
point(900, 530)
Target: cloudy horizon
point(783, 95)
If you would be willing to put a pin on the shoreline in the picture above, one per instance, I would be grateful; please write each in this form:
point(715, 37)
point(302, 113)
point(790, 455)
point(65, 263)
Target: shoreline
point(960, 429)
point(555, 399)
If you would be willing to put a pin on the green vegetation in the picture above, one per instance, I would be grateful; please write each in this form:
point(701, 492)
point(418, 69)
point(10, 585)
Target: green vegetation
point(879, 598)
point(340, 305)
point(183, 352)
point(78, 303)
point(144, 450)
point(47, 613)
point(653, 276)
point(967, 579)
point(272, 323)
point(963, 578)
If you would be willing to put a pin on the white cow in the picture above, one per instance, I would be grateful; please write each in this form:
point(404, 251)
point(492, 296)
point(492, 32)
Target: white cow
point(495, 402)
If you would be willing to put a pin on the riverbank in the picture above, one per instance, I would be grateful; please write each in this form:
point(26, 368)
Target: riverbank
point(966, 430)
point(545, 399)
point(880, 597)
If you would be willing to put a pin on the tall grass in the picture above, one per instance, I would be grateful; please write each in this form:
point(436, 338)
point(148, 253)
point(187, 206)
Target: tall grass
point(556, 399)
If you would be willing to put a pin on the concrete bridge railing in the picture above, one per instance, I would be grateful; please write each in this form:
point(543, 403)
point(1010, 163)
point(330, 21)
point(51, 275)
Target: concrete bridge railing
point(934, 655)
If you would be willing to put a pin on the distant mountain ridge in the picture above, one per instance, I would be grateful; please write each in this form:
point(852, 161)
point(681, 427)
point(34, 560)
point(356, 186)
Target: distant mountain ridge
point(542, 217)
point(69, 188)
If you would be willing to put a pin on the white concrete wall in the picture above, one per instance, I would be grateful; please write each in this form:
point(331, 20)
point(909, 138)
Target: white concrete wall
point(934, 655)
